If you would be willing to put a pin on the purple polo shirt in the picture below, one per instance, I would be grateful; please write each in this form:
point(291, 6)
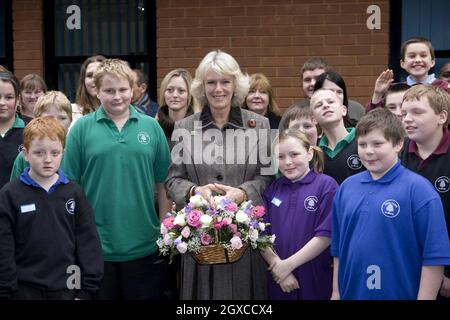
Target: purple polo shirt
point(299, 211)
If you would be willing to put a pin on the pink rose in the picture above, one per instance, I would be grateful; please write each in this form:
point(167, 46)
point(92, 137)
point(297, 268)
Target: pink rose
point(205, 239)
point(236, 243)
point(231, 207)
point(193, 218)
point(233, 228)
point(168, 222)
point(258, 211)
point(186, 232)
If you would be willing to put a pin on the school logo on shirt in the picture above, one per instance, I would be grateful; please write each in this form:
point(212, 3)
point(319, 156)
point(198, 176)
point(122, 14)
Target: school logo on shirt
point(311, 203)
point(354, 162)
point(442, 184)
point(70, 206)
point(143, 137)
point(390, 208)
point(20, 148)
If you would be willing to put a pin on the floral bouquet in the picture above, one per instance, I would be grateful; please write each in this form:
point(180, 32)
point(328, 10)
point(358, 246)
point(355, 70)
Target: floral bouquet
point(214, 235)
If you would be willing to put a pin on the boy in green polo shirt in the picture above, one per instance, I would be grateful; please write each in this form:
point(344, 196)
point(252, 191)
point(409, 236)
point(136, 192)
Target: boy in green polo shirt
point(337, 142)
point(120, 156)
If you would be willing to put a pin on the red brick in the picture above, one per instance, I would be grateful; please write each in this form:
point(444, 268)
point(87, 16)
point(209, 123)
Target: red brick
point(201, 32)
point(170, 13)
point(218, 42)
point(276, 41)
point(218, 22)
point(245, 41)
point(355, 50)
point(291, 31)
point(323, 30)
point(308, 19)
point(193, 13)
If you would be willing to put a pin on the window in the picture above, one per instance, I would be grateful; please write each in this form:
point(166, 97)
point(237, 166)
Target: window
point(77, 29)
point(6, 34)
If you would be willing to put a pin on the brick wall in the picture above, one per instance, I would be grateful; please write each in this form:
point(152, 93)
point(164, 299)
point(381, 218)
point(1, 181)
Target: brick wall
point(27, 37)
point(275, 37)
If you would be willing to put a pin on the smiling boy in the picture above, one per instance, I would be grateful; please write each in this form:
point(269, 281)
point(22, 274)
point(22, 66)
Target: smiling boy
point(425, 111)
point(389, 239)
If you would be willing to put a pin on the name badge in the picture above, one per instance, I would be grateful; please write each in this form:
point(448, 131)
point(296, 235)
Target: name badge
point(26, 208)
point(276, 201)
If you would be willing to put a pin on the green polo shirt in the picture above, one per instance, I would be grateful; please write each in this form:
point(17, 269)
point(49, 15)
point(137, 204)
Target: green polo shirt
point(323, 143)
point(118, 171)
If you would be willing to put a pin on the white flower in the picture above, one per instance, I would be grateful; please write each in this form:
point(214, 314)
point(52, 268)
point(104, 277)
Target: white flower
point(167, 239)
point(180, 220)
point(182, 247)
point(241, 217)
point(205, 220)
point(272, 239)
point(197, 200)
point(262, 226)
point(186, 232)
point(236, 242)
point(253, 235)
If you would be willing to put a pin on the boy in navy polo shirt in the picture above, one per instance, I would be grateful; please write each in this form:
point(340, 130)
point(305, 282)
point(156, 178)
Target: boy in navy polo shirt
point(425, 112)
point(389, 239)
point(49, 246)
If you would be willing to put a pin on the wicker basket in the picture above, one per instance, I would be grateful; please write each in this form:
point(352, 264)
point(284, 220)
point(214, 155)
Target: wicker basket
point(217, 253)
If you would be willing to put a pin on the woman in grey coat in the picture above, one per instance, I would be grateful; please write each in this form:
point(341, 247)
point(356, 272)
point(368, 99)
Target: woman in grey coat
point(221, 150)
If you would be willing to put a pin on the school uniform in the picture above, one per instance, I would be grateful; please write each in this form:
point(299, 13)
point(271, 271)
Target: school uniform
point(384, 231)
point(43, 236)
point(10, 146)
point(299, 211)
point(436, 168)
point(343, 161)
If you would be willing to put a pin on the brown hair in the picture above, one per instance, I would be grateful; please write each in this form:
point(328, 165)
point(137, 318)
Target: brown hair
point(43, 127)
point(313, 64)
point(6, 76)
point(87, 103)
point(438, 99)
point(33, 81)
point(425, 41)
point(384, 120)
point(260, 81)
point(317, 160)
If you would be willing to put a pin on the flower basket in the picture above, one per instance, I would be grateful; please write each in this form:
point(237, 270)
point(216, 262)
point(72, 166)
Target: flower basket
point(217, 253)
point(213, 234)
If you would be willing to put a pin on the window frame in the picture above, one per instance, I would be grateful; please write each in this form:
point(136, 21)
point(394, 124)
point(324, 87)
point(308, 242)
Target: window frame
point(7, 60)
point(52, 62)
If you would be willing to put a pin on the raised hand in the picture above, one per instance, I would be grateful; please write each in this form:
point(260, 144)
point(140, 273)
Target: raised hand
point(382, 84)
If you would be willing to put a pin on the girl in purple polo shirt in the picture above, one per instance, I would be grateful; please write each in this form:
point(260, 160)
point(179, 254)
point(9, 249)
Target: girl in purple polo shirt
point(299, 210)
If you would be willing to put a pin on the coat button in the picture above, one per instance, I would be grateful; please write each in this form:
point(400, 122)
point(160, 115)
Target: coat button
point(252, 123)
point(219, 177)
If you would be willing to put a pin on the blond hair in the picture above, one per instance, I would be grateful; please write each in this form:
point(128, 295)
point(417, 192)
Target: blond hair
point(53, 98)
point(180, 72)
point(223, 64)
point(116, 68)
point(438, 99)
point(318, 161)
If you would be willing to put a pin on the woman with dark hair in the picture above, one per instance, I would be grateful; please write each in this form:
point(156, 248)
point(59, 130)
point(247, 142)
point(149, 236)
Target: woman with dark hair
point(332, 80)
point(86, 98)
